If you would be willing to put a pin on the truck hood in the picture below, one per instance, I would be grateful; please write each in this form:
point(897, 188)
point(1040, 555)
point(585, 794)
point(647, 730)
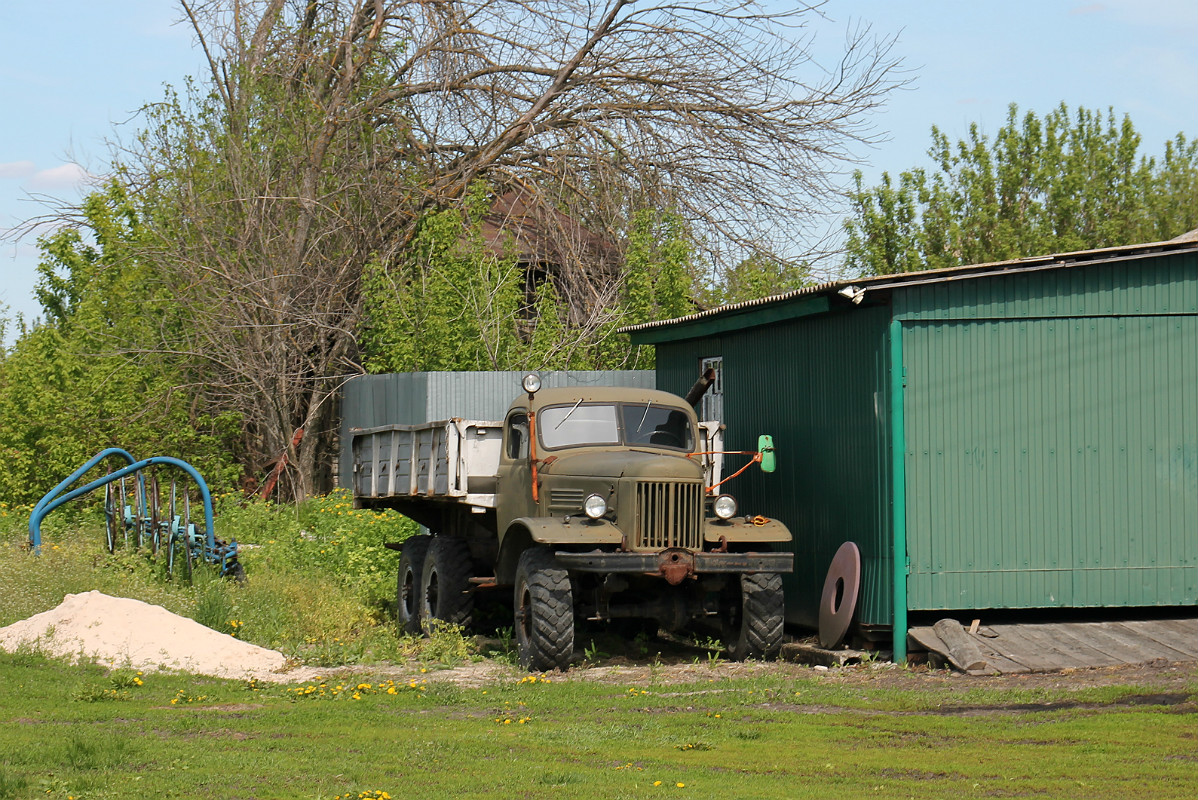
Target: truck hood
point(626, 464)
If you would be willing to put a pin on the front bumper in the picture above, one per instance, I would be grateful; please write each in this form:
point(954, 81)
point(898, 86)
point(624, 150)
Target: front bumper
point(675, 564)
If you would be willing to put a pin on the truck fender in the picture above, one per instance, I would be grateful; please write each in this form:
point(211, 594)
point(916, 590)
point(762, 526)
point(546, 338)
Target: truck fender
point(579, 530)
point(746, 529)
point(524, 532)
point(516, 539)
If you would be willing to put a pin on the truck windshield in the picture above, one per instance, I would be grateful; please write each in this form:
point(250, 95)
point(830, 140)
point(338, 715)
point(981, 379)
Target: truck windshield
point(656, 426)
point(640, 424)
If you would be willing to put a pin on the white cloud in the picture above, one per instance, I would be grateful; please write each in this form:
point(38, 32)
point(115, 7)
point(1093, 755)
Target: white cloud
point(1171, 15)
point(17, 169)
point(67, 176)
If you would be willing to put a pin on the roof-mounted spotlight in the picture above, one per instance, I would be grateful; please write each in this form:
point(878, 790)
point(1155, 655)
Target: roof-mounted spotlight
point(854, 294)
point(531, 383)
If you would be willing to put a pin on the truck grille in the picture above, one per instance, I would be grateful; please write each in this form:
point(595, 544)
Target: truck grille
point(669, 514)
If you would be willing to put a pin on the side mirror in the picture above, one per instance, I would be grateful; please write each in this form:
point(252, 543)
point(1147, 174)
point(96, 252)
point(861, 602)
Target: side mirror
point(765, 447)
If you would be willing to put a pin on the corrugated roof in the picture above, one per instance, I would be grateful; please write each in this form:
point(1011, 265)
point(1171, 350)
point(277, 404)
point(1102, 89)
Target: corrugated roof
point(857, 287)
point(1188, 236)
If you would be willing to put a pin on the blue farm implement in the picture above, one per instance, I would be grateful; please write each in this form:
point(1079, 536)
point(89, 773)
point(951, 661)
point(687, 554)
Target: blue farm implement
point(142, 513)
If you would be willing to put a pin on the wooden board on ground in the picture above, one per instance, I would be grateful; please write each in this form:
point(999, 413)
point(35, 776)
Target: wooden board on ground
point(814, 655)
point(1051, 647)
point(1187, 643)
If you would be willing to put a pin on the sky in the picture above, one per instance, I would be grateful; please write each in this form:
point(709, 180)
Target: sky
point(72, 80)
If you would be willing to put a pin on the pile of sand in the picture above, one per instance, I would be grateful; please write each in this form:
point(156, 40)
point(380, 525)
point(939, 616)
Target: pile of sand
point(119, 632)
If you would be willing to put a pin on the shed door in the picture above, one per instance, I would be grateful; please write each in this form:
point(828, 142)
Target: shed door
point(1052, 462)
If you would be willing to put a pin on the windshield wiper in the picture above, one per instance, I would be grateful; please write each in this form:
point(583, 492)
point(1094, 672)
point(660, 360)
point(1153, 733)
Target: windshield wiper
point(642, 422)
point(568, 413)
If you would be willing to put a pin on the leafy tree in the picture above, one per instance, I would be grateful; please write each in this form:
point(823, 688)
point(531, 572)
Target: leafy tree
point(451, 303)
point(84, 379)
point(1069, 181)
point(448, 304)
point(659, 274)
point(316, 171)
point(759, 275)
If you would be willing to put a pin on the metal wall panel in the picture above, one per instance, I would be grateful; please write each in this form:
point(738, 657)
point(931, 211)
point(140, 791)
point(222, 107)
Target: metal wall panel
point(411, 398)
point(1139, 287)
point(1052, 462)
point(818, 386)
point(1052, 450)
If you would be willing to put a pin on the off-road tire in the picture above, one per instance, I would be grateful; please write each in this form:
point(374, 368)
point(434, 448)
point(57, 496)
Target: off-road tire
point(407, 585)
point(445, 582)
point(544, 612)
point(753, 622)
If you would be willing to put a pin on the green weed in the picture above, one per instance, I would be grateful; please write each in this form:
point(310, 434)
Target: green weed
point(443, 644)
point(12, 785)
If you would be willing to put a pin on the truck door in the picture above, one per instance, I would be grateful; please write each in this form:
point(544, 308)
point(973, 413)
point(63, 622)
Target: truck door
point(513, 485)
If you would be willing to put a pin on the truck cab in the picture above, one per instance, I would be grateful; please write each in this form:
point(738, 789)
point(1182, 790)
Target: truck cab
point(611, 481)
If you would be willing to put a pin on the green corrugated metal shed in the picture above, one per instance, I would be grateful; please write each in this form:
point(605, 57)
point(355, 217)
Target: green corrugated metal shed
point(1021, 435)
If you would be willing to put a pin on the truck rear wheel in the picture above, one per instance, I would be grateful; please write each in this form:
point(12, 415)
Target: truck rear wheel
point(445, 582)
point(411, 567)
point(544, 612)
point(753, 621)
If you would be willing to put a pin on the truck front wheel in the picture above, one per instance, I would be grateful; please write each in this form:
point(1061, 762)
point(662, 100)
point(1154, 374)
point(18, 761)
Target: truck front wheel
point(544, 612)
point(411, 566)
point(753, 621)
point(445, 582)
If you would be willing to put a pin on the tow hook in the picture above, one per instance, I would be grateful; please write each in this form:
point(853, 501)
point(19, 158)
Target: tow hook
point(675, 565)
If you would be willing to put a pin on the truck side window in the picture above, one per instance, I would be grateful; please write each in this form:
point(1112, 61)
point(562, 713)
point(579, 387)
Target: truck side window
point(517, 436)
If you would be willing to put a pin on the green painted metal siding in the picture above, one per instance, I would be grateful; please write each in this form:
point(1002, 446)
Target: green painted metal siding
point(1051, 423)
point(1166, 284)
point(819, 386)
point(1052, 462)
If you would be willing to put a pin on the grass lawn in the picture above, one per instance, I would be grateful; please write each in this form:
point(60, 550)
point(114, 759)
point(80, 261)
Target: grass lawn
point(320, 590)
point(80, 732)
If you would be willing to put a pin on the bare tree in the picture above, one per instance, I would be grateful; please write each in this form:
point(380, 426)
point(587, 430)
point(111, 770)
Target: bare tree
point(326, 129)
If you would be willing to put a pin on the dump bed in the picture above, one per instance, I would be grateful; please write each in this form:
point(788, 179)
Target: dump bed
point(455, 459)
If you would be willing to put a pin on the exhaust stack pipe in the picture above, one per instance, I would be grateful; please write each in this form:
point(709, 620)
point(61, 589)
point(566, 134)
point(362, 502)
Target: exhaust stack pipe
point(700, 388)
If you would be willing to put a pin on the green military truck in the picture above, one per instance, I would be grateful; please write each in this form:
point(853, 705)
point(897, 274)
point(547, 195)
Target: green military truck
point(591, 504)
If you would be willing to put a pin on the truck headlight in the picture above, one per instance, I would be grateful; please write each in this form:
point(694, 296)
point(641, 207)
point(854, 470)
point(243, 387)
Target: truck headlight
point(531, 383)
point(724, 506)
point(594, 506)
